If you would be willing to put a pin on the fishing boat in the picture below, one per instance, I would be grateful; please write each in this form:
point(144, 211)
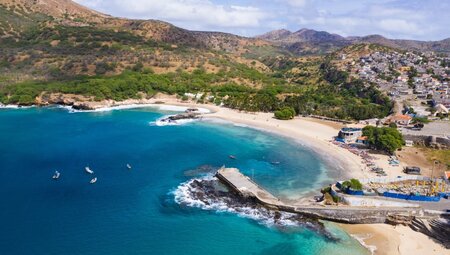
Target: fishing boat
point(232, 157)
point(93, 180)
point(88, 170)
point(128, 166)
point(56, 175)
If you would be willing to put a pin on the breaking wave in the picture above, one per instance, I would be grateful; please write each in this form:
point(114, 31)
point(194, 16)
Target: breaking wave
point(161, 107)
point(13, 106)
point(208, 193)
point(161, 123)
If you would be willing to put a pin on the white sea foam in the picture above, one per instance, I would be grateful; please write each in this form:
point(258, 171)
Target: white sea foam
point(216, 120)
point(185, 195)
point(241, 125)
point(161, 107)
point(112, 108)
point(13, 106)
point(361, 239)
point(160, 123)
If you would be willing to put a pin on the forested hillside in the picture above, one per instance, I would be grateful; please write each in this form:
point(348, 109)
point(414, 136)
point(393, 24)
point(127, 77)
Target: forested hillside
point(70, 51)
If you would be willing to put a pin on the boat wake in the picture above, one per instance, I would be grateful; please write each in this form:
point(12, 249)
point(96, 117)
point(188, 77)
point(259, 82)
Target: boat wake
point(208, 193)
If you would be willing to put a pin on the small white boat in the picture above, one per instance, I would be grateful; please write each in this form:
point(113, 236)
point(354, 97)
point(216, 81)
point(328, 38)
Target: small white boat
point(56, 175)
point(88, 170)
point(128, 166)
point(93, 180)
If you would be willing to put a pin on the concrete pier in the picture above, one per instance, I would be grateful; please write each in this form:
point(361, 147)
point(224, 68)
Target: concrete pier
point(247, 188)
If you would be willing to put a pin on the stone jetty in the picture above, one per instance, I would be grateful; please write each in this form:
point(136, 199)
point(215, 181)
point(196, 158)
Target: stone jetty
point(247, 188)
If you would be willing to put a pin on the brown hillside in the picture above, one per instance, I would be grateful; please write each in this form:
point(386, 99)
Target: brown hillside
point(67, 12)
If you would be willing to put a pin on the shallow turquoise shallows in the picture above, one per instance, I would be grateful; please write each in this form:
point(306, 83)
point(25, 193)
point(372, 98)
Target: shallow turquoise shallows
point(133, 211)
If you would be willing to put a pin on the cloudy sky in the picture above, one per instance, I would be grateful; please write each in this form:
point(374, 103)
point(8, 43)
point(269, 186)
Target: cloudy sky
point(405, 19)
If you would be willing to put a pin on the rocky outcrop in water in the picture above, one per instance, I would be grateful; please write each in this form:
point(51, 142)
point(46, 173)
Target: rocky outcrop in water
point(182, 116)
point(210, 194)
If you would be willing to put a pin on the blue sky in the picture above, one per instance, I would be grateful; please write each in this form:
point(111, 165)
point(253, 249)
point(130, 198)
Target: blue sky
point(403, 19)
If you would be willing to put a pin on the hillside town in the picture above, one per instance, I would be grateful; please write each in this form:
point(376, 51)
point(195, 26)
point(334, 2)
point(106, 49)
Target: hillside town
point(407, 75)
point(418, 83)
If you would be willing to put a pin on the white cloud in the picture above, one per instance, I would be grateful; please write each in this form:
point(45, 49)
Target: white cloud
point(198, 14)
point(399, 26)
point(296, 3)
point(411, 19)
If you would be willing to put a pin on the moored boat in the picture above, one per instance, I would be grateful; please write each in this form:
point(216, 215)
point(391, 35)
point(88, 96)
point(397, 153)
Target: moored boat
point(88, 170)
point(232, 157)
point(56, 175)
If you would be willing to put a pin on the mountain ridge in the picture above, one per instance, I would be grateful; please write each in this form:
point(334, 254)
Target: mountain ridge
point(325, 42)
point(67, 12)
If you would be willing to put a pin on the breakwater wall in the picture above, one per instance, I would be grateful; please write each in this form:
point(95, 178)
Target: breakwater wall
point(430, 141)
point(245, 187)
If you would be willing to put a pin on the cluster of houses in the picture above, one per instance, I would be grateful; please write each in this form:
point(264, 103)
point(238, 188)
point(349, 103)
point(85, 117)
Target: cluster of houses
point(422, 75)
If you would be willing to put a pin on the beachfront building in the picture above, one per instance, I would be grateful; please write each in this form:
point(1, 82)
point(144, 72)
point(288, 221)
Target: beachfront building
point(400, 119)
point(349, 135)
point(441, 109)
point(363, 140)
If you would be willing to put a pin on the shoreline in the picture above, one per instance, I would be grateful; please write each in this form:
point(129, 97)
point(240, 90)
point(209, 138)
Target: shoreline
point(383, 239)
point(315, 134)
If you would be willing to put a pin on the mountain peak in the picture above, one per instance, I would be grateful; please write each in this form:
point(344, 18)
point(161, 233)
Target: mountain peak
point(302, 35)
point(275, 35)
point(66, 10)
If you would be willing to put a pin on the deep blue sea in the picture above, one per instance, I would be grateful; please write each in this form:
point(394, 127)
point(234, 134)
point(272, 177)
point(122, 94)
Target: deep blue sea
point(133, 211)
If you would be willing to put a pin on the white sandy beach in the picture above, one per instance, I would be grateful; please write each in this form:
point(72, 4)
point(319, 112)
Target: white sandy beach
point(394, 240)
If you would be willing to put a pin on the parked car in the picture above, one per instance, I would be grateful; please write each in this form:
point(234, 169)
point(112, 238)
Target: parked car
point(412, 170)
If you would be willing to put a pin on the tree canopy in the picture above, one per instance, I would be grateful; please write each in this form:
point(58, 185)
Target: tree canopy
point(286, 113)
point(386, 138)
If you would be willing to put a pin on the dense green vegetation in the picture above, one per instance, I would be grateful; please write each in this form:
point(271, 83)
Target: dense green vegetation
point(349, 100)
point(285, 113)
point(423, 120)
point(328, 197)
point(103, 63)
point(385, 138)
point(354, 184)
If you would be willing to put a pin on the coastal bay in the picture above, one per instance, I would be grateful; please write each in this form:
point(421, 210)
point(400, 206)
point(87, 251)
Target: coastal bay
point(317, 134)
point(136, 207)
point(310, 133)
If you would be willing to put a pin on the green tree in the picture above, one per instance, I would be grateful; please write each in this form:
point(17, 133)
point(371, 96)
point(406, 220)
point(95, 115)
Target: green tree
point(354, 184)
point(386, 138)
point(392, 125)
point(286, 113)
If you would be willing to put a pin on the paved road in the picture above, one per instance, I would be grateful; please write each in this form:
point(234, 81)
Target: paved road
point(438, 128)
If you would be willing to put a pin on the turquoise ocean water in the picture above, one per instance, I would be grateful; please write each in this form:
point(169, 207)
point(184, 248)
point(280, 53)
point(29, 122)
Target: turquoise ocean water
point(133, 211)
